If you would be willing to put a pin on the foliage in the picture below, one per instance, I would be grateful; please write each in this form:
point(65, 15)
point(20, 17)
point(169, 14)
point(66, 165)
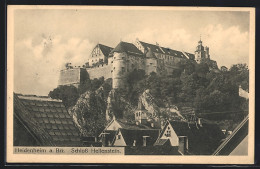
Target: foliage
point(68, 95)
point(195, 85)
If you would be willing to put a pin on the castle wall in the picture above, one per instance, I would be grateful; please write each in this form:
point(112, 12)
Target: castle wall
point(100, 71)
point(69, 76)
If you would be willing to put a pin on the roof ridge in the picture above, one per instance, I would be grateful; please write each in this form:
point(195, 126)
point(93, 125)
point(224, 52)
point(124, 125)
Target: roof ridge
point(39, 98)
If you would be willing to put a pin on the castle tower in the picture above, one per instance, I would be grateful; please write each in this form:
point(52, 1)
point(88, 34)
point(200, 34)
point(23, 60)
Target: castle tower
point(207, 56)
point(151, 62)
point(119, 67)
point(199, 53)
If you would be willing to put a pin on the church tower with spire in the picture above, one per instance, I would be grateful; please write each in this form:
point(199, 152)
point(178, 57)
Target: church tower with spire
point(199, 53)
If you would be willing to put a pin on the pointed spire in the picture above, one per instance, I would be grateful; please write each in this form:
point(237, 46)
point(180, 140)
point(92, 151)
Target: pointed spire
point(200, 39)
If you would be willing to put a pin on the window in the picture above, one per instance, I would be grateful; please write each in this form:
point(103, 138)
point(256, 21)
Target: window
point(168, 133)
point(118, 137)
point(123, 69)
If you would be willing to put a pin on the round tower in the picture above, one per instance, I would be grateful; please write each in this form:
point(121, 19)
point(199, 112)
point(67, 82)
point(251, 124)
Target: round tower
point(119, 70)
point(151, 62)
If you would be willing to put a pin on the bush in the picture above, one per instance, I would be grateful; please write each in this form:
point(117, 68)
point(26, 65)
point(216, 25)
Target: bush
point(68, 94)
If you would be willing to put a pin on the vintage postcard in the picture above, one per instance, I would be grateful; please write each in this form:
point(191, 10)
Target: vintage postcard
point(118, 84)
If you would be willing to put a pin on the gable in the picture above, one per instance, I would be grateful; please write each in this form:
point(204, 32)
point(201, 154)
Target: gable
point(119, 140)
point(169, 133)
point(114, 125)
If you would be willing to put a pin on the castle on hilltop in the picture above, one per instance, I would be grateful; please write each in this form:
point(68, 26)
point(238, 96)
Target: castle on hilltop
point(116, 62)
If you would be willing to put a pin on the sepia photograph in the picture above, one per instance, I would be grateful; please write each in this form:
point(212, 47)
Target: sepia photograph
point(121, 84)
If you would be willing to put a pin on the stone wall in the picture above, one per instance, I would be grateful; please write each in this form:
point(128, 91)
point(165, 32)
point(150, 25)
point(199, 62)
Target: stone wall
point(99, 71)
point(70, 76)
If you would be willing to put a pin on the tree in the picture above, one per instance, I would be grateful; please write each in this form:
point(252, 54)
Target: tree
point(68, 94)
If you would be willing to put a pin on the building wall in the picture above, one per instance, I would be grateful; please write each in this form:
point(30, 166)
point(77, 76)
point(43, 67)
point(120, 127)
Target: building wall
point(151, 65)
point(100, 71)
point(123, 63)
point(95, 56)
point(119, 142)
point(173, 138)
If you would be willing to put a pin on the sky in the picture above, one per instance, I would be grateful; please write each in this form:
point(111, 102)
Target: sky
point(46, 39)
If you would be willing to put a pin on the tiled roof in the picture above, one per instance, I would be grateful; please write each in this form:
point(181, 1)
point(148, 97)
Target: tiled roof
point(129, 48)
point(233, 140)
point(150, 54)
point(105, 49)
point(162, 50)
point(29, 122)
point(191, 56)
point(153, 48)
point(202, 139)
point(137, 135)
point(53, 118)
point(172, 52)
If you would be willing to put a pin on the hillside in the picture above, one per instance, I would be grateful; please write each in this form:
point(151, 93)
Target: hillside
point(211, 93)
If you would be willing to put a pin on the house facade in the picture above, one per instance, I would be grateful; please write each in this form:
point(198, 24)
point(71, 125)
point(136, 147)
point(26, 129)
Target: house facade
point(198, 138)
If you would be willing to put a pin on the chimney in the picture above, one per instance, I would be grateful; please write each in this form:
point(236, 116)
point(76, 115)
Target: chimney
point(183, 144)
point(224, 131)
point(145, 139)
point(199, 122)
point(152, 125)
point(134, 143)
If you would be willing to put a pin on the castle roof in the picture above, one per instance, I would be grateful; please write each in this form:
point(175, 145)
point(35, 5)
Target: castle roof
point(129, 48)
point(165, 51)
point(48, 120)
point(153, 48)
point(150, 54)
point(105, 49)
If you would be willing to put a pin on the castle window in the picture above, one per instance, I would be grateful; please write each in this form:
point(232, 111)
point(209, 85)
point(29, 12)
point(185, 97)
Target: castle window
point(114, 68)
point(118, 137)
point(123, 69)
